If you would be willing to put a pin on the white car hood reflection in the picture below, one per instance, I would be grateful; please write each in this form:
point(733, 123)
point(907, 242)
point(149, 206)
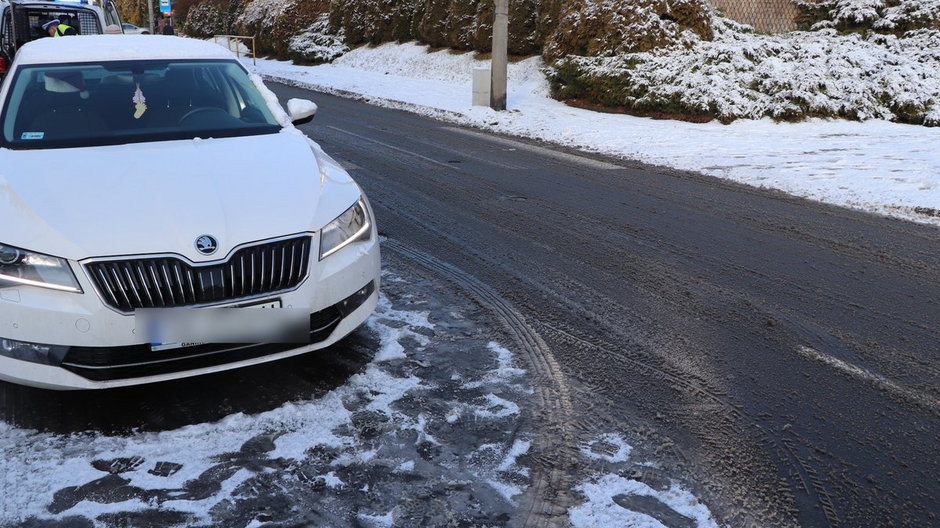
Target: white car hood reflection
point(159, 197)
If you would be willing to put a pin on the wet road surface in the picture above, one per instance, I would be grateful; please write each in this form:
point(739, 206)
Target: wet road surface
point(780, 356)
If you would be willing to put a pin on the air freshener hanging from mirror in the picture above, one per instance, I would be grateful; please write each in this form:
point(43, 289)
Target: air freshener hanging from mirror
point(140, 103)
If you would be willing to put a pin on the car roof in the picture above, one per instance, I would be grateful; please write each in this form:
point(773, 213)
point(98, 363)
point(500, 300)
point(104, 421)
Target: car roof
point(98, 48)
point(57, 3)
point(54, 4)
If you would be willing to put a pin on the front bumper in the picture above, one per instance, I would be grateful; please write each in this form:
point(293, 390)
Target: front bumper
point(96, 347)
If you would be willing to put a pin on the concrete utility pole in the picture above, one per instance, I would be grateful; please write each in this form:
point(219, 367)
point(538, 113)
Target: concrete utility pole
point(500, 55)
point(150, 15)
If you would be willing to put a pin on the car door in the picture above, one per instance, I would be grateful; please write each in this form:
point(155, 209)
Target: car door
point(6, 41)
point(111, 15)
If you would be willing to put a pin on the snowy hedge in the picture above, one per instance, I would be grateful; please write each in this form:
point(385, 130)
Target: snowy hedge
point(886, 16)
point(316, 44)
point(277, 23)
point(557, 27)
point(741, 74)
point(212, 17)
point(458, 24)
point(592, 28)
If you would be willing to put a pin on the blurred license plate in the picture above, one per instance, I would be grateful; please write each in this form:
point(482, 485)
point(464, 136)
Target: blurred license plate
point(155, 347)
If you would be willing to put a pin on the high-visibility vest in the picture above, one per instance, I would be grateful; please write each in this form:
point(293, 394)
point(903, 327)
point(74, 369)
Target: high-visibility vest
point(61, 29)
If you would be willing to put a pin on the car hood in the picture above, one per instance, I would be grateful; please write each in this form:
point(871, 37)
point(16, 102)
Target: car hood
point(159, 197)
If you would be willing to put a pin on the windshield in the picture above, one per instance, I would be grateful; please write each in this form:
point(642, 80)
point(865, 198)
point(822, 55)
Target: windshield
point(110, 103)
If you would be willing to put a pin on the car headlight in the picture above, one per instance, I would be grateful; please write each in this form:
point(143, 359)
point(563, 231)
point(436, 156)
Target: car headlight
point(349, 227)
point(19, 266)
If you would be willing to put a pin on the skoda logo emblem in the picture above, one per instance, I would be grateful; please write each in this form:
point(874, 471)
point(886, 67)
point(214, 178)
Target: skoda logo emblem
point(206, 244)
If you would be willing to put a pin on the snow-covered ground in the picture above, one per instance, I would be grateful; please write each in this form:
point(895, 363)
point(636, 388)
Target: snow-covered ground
point(428, 429)
point(373, 446)
point(874, 166)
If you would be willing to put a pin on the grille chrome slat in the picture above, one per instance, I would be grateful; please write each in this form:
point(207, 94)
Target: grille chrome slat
point(304, 259)
point(191, 283)
point(156, 283)
point(232, 279)
point(119, 284)
point(107, 287)
point(179, 282)
point(145, 286)
point(273, 263)
point(277, 264)
point(129, 284)
point(212, 290)
point(293, 250)
point(253, 275)
point(261, 276)
point(241, 260)
point(300, 260)
point(134, 289)
point(169, 282)
point(280, 276)
point(202, 284)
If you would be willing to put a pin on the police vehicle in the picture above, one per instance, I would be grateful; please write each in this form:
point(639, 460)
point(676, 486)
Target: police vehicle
point(21, 21)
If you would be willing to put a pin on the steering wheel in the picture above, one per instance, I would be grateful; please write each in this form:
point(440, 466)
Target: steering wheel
point(201, 110)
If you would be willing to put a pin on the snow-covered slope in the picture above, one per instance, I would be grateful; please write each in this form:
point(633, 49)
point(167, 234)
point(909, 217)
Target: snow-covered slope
point(741, 74)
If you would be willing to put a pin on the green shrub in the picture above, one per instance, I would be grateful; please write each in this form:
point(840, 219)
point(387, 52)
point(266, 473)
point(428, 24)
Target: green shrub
point(786, 77)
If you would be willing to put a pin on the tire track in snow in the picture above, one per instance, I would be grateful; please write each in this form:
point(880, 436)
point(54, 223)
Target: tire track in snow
point(546, 503)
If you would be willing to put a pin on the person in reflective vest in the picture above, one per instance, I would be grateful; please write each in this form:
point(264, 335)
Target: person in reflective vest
point(58, 29)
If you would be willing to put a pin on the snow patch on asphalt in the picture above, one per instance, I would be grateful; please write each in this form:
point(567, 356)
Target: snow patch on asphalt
point(602, 508)
point(394, 334)
point(495, 407)
point(611, 499)
point(505, 372)
point(509, 465)
point(377, 521)
point(609, 447)
point(519, 448)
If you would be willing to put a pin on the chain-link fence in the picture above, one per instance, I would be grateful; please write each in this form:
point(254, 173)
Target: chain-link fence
point(771, 16)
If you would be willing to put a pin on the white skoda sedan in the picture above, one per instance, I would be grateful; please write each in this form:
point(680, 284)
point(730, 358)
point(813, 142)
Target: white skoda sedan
point(161, 217)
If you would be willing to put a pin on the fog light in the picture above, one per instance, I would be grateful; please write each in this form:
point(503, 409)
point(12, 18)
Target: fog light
point(349, 304)
point(33, 352)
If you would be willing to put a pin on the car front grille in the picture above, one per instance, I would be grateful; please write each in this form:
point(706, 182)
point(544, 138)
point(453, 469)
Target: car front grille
point(135, 361)
point(164, 282)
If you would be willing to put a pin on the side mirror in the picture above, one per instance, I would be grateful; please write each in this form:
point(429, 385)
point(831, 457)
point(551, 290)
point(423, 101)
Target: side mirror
point(301, 111)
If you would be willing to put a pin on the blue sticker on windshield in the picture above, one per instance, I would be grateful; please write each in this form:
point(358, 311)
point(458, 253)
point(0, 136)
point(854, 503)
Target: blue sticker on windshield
point(32, 135)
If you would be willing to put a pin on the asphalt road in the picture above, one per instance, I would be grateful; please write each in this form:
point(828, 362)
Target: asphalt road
point(780, 356)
